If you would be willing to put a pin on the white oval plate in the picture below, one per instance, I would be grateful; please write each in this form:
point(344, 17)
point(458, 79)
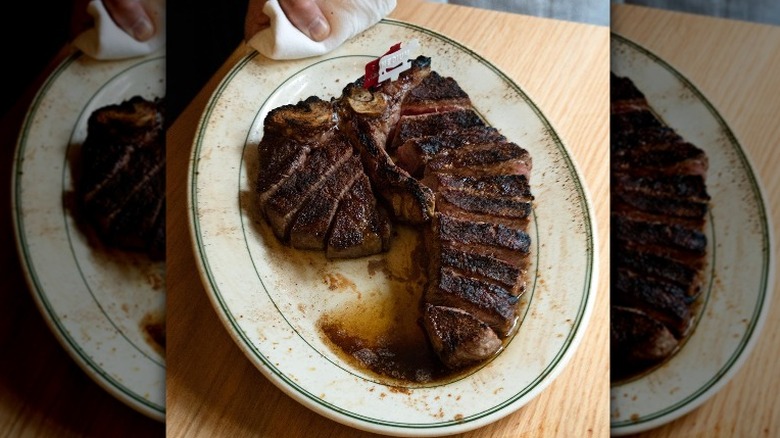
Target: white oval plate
point(96, 301)
point(740, 275)
point(269, 297)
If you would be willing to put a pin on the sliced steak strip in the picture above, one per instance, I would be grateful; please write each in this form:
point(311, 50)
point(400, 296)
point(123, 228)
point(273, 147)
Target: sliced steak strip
point(638, 337)
point(685, 187)
point(653, 230)
point(478, 160)
point(361, 227)
point(665, 301)
point(651, 264)
point(458, 337)
point(502, 196)
point(435, 94)
point(453, 229)
point(483, 263)
point(416, 152)
point(432, 124)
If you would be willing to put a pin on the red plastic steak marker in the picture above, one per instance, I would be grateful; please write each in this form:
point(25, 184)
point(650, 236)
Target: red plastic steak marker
point(391, 64)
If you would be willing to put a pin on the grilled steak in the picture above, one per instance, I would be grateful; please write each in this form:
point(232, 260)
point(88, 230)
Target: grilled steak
point(659, 205)
point(120, 183)
point(432, 161)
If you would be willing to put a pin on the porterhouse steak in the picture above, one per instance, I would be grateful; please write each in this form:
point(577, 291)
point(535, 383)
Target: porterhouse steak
point(335, 174)
point(120, 182)
point(659, 205)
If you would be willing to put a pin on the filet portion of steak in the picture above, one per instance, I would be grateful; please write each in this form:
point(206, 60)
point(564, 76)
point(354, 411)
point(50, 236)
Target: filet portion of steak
point(419, 144)
point(659, 206)
point(120, 182)
point(311, 185)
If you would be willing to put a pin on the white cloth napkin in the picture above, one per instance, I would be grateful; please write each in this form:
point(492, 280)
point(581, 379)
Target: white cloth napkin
point(108, 41)
point(347, 18)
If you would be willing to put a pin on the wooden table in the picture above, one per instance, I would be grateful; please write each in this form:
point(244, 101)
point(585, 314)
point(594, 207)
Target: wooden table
point(737, 66)
point(213, 389)
point(42, 390)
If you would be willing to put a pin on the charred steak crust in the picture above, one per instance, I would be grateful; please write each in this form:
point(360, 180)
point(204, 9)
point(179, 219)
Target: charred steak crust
point(333, 174)
point(120, 182)
point(659, 206)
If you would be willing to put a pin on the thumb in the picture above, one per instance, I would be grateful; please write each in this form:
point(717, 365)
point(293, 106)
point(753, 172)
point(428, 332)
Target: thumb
point(131, 16)
point(307, 16)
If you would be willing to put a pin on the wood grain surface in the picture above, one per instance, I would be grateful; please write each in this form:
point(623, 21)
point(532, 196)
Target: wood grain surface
point(213, 389)
point(736, 65)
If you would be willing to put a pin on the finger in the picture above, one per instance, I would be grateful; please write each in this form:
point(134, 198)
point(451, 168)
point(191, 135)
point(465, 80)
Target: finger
point(255, 20)
point(307, 16)
point(131, 17)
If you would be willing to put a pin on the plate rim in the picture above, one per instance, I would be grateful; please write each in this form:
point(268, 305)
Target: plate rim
point(560, 360)
point(113, 386)
point(740, 356)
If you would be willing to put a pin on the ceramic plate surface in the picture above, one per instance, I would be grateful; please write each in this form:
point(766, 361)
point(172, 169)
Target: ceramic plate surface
point(271, 298)
point(104, 306)
point(740, 271)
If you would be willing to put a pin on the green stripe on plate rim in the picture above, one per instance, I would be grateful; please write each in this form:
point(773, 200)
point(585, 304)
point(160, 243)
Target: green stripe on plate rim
point(29, 267)
point(575, 179)
point(760, 305)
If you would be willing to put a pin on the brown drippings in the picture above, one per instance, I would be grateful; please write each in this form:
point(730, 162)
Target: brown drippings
point(336, 281)
point(153, 328)
point(381, 334)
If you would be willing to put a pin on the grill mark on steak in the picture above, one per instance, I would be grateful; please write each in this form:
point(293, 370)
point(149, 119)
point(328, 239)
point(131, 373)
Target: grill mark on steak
point(652, 264)
point(502, 196)
point(477, 160)
point(654, 230)
point(483, 265)
point(659, 207)
point(282, 207)
point(361, 226)
point(415, 153)
point(665, 301)
point(279, 159)
point(488, 302)
point(482, 233)
point(310, 227)
point(431, 124)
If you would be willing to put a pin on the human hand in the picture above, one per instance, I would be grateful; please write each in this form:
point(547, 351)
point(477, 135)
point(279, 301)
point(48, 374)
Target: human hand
point(132, 17)
point(306, 15)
